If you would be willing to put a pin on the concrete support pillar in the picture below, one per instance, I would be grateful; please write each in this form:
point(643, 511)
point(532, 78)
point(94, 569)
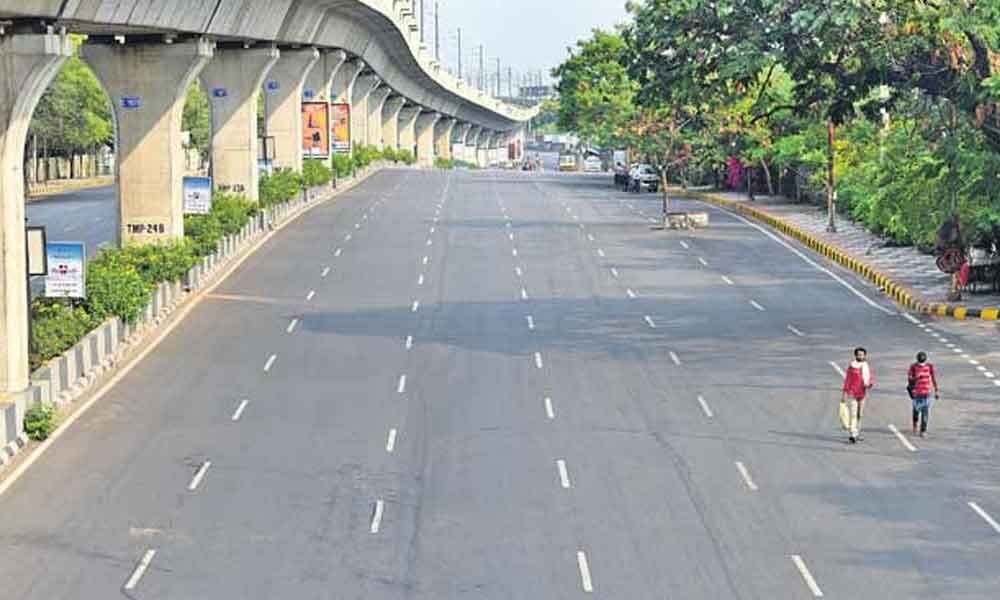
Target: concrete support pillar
point(320, 79)
point(283, 105)
point(342, 89)
point(458, 137)
point(442, 138)
point(408, 129)
point(376, 102)
point(233, 80)
point(363, 87)
point(425, 138)
point(147, 84)
point(483, 148)
point(390, 121)
point(472, 144)
point(28, 63)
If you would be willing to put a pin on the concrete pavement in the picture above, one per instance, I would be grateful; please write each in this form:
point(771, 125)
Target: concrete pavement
point(506, 385)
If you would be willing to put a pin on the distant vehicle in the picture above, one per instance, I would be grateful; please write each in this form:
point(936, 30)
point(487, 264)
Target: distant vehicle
point(592, 164)
point(567, 162)
point(643, 176)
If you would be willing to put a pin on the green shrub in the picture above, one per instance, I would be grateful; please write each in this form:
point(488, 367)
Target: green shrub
point(365, 155)
point(406, 157)
point(203, 231)
point(443, 163)
point(316, 173)
point(155, 263)
point(280, 187)
point(56, 325)
point(233, 211)
point(115, 288)
point(40, 421)
point(343, 166)
point(230, 212)
point(464, 164)
point(389, 154)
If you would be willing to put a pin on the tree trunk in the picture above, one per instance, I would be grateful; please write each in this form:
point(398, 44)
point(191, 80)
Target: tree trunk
point(749, 178)
point(831, 184)
point(767, 177)
point(45, 160)
point(72, 165)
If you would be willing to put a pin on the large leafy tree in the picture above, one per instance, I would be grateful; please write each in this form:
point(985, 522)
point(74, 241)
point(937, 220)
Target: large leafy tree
point(596, 94)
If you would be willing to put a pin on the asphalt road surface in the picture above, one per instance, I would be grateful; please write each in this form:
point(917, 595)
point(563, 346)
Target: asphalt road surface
point(89, 216)
point(508, 385)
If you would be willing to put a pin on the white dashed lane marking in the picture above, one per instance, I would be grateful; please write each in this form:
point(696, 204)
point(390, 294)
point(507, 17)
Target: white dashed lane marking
point(902, 438)
point(415, 306)
point(796, 331)
point(685, 245)
point(401, 384)
point(703, 262)
point(310, 295)
point(377, 516)
point(291, 326)
point(837, 368)
point(745, 474)
point(390, 443)
point(585, 579)
point(196, 481)
point(675, 359)
point(727, 280)
point(800, 564)
point(650, 322)
point(538, 360)
point(140, 569)
point(326, 271)
point(549, 409)
point(757, 305)
point(630, 293)
point(239, 410)
point(563, 474)
point(409, 342)
point(985, 516)
point(705, 408)
point(531, 322)
point(270, 362)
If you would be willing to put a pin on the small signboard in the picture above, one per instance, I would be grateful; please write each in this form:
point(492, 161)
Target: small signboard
point(316, 129)
point(219, 92)
point(36, 252)
point(197, 195)
point(131, 102)
point(340, 127)
point(66, 276)
point(272, 86)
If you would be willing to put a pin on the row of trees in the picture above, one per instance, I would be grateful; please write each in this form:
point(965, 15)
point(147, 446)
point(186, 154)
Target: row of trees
point(889, 106)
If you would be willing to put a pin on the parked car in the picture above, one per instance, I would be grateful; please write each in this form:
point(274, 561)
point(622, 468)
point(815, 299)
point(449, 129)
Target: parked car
point(592, 164)
point(567, 162)
point(643, 176)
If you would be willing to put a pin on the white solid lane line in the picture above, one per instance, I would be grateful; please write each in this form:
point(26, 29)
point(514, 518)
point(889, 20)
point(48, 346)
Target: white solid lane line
point(196, 481)
point(745, 474)
point(810, 262)
point(585, 580)
point(685, 245)
point(703, 262)
point(291, 326)
point(902, 438)
point(377, 516)
point(985, 516)
point(140, 569)
point(409, 342)
point(531, 322)
point(837, 368)
point(650, 322)
point(727, 280)
point(911, 318)
point(796, 331)
point(550, 412)
point(239, 410)
point(630, 293)
point(401, 386)
point(338, 251)
point(310, 295)
point(415, 306)
point(390, 443)
point(673, 357)
point(807, 576)
point(538, 360)
point(326, 272)
point(705, 408)
point(270, 362)
point(563, 473)
point(757, 305)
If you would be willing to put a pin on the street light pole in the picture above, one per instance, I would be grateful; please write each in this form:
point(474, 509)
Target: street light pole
point(421, 22)
point(460, 73)
point(437, 35)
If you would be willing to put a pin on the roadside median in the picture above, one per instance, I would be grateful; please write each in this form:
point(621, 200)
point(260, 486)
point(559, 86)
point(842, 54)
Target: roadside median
point(903, 295)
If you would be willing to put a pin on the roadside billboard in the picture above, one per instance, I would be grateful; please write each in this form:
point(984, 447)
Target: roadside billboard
point(66, 277)
point(340, 127)
point(316, 129)
point(197, 195)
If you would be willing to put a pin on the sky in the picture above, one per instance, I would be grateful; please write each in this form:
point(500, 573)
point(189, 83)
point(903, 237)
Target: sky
point(526, 35)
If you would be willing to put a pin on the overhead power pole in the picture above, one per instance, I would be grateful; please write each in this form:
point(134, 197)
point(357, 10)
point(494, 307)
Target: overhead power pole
point(437, 35)
point(460, 72)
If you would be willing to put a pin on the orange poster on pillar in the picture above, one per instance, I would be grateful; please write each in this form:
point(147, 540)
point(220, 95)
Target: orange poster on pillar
point(340, 127)
point(315, 129)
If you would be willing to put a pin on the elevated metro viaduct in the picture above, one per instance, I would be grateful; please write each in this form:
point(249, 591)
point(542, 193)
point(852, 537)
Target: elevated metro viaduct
point(363, 53)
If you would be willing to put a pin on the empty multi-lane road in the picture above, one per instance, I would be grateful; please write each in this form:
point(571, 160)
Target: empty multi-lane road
point(510, 385)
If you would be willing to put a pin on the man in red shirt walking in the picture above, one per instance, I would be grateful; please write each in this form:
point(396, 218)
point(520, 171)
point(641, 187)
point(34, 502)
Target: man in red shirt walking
point(921, 379)
point(857, 381)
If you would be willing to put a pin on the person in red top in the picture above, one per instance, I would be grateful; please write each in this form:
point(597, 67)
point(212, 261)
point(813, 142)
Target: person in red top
point(858, 379)
point(921, 379)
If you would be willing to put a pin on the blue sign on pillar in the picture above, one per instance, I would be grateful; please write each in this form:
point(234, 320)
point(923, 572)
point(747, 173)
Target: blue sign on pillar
point(308, 94)
point(220, 92)
point(131, 102)
point(272, 86)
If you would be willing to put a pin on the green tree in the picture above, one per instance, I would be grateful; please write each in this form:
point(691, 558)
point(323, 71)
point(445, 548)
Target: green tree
point(197, 118)
point(596, 94)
